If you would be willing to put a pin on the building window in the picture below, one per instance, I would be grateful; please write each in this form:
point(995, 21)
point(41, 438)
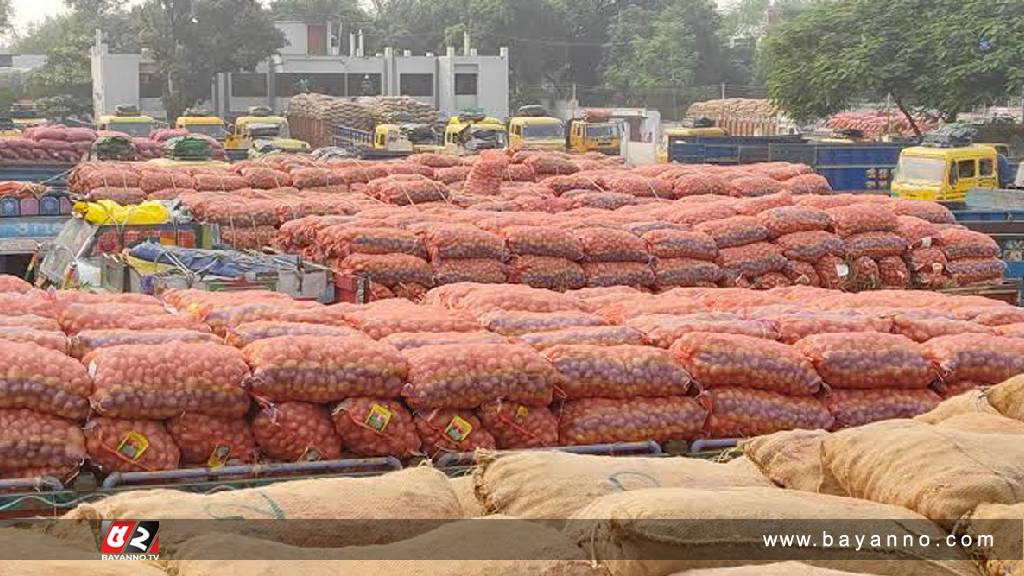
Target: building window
point(150, 85)
point(465, 85)
point(249, 85)
point(417, 84)
point(364, 85)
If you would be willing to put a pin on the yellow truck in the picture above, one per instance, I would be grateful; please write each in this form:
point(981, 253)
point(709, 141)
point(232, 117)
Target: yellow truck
point(945, 174)
point(536, 133)
point(586, 135)
point(260, 123)
point(127, 120)
point(261, 148)
point(466, 133)
point(411, 138)
point(199, 123)
point(25, 115)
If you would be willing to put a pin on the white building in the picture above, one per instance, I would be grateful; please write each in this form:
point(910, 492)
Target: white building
point(312, 60)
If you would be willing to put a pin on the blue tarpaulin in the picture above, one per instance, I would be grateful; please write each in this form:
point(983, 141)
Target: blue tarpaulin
point(226, 263)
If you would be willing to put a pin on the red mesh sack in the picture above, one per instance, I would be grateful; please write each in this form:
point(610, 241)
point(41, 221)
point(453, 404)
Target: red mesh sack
point(267, 178)
point(547, 163)
point(794, 326)
point(735, 231)
point(445, 431)
point(296, 432)
point(864, 275)
point(130, 445)
point(618, 274)
point(247, 238)
point(862, 217)
point(323, 368)
point(482, 270)
point(699, 184)
point(610, 245)
point(486, 174)
point(547, 272)
point(749, 186)
point(742, 413)
point(466, 376)
point(313, 178)
point(916, 232)
point(244, 334)
point(631, 307)
point(31, 321)
point(35, 440)
point(770, 280)
point(924, 328)
point(808, 184)
point(435, 160)
point(977, 357)
point(459, 241)
point(152, 181)
point(75, 318)
point(608, 421)
point(30, 303)
point(519, 173)
point(406, 190)
point(968, 271)
point(670, 272)
point(752, 259)
point(371, 427)
point(664, 329)
point(756, 205)
point(123, 196)
point(1015, 330)
point(930, 211)
point(639, 186)
point(690, 215)
point(802, 273)
point(852, 408)
point(927, 260)
point(452, 174)
point(88, 340)
point(617, 371)
point(951, 390)
point(874, 245)
point(792, 219)
point(211, 441)
point(389, 269)
point(409, 169)
point(578, 335)
point(893, 272)
point(514, 323)
point(165, 380)
point(14, 284)
point(737, 360)
point(224, 319)
point(382, 320)
point(341, 241)
point(515, 426)
point(44, 380)
point(668, 243)
point(997, 315)
point(832, 271)
point(868, 360)
point(810, 246)
point(54, 340)
point(542, 241)
point(222, 181)
point(407, 340)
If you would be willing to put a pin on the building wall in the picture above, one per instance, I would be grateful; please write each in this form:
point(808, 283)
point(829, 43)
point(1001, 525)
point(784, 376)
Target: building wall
point(115, 81)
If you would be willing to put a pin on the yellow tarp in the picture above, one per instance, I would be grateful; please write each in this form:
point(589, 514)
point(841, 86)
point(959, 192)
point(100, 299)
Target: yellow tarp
point(168, 163)
point(110, 212)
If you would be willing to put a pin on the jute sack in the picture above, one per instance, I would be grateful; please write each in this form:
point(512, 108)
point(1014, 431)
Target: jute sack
point(464, 491)
point(419, 493)
point(984, 423)
point(58, 557)
point(779, 569)
point(988, 519)
point(531, 549)
point(555, 485)
point(1008, 398)
point(940, 473)
point(791, 459)
point(641, 534)
point(969, 402)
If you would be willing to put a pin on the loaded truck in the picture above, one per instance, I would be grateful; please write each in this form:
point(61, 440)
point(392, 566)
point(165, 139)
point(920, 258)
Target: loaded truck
point(259, 123)
point(594, 131)
point(202, 122)
point(533, 129)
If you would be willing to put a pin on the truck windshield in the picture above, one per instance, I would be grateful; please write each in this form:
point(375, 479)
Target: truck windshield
point(215, 131)
point(264, 131)
point(925, 169)
point(602, 131)
point(543, 132)
point(496, 137)
point(134, 129)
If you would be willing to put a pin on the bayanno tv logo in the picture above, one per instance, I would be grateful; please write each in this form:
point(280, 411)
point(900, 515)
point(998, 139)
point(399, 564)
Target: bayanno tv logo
point(129, 540)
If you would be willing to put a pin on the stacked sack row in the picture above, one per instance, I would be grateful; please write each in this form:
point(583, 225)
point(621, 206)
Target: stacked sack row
point(877, 124)
point(52, 143)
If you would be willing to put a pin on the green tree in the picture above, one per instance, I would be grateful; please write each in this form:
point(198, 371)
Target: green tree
point(190, 46)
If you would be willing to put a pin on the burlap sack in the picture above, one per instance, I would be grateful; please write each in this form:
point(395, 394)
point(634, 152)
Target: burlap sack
point(983, 423)
point(58, 557)
point(466, 493)
point(555, 485)
point(532, 549)
point(779, 569)
point(981, 522)
point(968, 402)
point(940, 473)
point(791, 459)
point(1008, 398)
point(623, 533)
point(414, 493)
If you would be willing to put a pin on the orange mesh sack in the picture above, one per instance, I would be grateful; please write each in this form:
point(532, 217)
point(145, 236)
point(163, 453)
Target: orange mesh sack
point(752, 260)
point(380, 321)
point(735, 231)
point(547, 272)
point(607, 421)
point(671, 272)
point(802, 273)
point(35, 440)
point(459, 241)
point(968, 271)
point(639, 186)
point(444, 431)
point(165, 380)
point(44, 380)
point(296, 432)
point(893, 272)
point(808, 184)
point(868, 360)
point(515, 426)
point(407, 189)
point(14, 284)
point(862, 217)
point(668, 243)
point(486, 174)
point(389, 269)
point(30, 303)
point(548, 163)
point(874, 245)
point(756, 205)
point(372, 427)
point(737, 360)
point(664, 329)
point(130, 445)
point(601, 274)
point(244, 334)
point(617, 371)
point(925, 327)
point(959, 243)
point(482, 270)
point(982, 358)
point(212, 441)
point(750, 186)
point(742, 413)
point(482, 298)
point(811, 246)
point(792, 219)
point(832, 271)
point(513, 323)
point(323, 368)
point(611, 245)
point(31, 321)
point(407, 340)
point(795, 326)
point(925, 210)
point(999, 315)
point(88, 340)
point(699, 184)
point(542, 241)
point(222, 320)
point(342, 240)
point(54, 340)
point(466, 376)
point(77, 317)
point(859, 407)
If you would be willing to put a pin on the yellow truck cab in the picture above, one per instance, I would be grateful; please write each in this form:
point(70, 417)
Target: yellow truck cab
point(127, 120)
point(536, 133)
point(944, 174)
point(261, 147)
point(595, 136)
point(466, 133)
point(260, 123)
point(197, 122)
point(405, 138)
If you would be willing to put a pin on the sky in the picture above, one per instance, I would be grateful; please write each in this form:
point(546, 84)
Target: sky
point(28, 11)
